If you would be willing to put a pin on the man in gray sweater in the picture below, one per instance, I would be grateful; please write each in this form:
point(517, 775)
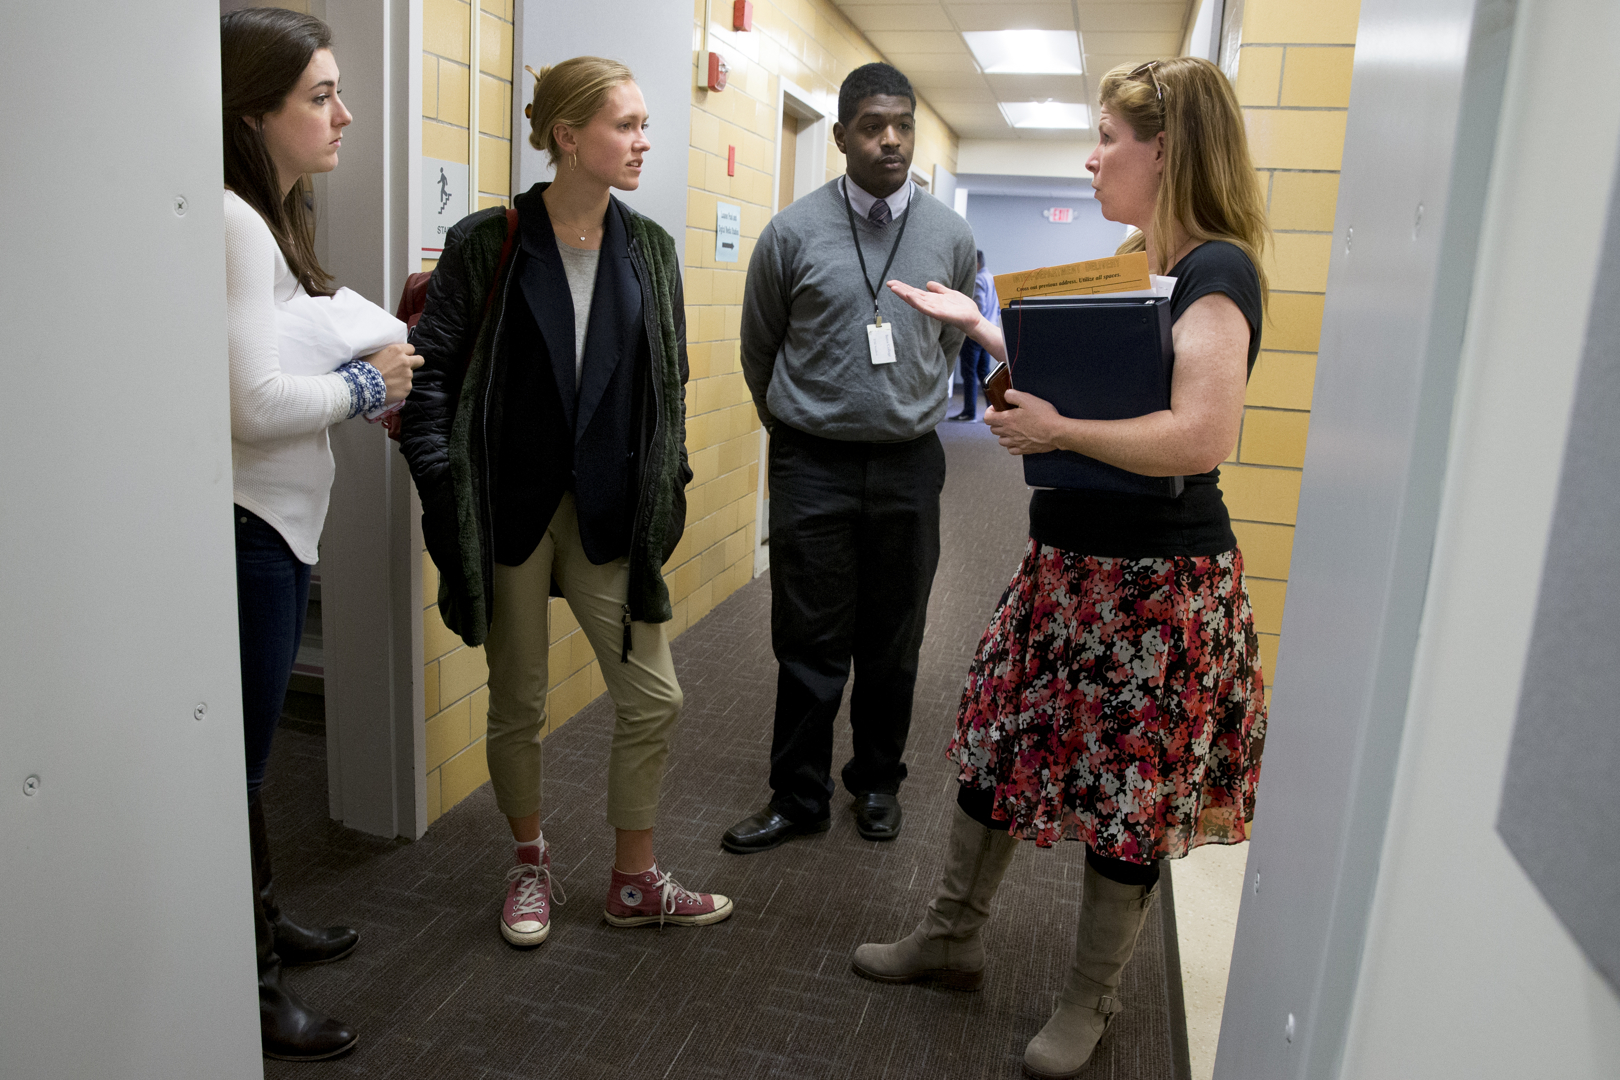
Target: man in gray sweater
point(851, 382)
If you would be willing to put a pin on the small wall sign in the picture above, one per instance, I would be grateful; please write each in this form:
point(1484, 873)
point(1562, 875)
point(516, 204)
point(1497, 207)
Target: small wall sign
point(727, 232)
point(1059, 215)
point(444, 202)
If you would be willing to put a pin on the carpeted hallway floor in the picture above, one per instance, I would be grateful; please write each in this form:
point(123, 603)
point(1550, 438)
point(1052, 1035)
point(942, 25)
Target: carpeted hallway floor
point(435, 992)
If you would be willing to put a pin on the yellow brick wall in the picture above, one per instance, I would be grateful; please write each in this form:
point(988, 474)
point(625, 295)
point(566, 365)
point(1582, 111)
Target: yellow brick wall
point(811, 44)
point(453, 676)
point(1293, 81)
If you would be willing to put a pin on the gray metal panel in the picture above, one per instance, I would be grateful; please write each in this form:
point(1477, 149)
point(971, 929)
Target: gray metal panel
point(126, 933)
point(1422, 127)
point(1559, 813)
point(660, 52)
point(371, 546)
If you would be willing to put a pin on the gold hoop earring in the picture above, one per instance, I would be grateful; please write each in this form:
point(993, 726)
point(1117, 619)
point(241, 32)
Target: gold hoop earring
point(573, 161)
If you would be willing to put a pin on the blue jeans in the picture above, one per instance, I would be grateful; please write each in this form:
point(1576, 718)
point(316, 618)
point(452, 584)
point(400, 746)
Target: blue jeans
point(973, 364)
point(272, 594)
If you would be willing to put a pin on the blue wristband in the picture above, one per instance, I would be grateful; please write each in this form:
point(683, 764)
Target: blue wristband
point(367, 391)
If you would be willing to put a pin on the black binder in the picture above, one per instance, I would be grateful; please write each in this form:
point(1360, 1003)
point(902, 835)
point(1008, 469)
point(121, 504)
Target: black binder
point(1093, 358)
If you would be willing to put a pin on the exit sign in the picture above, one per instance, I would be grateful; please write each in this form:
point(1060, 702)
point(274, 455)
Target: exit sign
point(1059, 215)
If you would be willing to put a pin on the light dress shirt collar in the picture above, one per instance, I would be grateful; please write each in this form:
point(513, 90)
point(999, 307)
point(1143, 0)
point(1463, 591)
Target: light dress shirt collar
point(861, 202)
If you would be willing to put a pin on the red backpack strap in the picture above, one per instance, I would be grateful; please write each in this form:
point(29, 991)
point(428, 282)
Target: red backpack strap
point(414, 299)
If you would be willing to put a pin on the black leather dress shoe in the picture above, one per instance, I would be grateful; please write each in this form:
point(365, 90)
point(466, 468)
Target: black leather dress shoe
point(962, 416)
point(877, 816)
point(768, 829)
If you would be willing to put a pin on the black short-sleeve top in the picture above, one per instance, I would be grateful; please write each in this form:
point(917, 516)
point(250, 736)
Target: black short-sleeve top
point(1106, 524)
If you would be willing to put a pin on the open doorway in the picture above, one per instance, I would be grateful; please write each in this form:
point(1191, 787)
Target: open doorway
point(801, 167)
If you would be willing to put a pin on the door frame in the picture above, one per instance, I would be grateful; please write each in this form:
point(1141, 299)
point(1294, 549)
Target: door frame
point(809, 173)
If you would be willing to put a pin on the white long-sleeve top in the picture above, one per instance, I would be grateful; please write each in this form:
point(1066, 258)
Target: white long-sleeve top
point(293, 376)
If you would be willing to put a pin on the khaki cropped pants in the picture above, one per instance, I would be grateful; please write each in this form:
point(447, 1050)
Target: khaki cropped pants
point(646, 697)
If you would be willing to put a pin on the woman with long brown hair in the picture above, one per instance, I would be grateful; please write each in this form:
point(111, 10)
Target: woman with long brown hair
point(1116, 697)
point(303, 356)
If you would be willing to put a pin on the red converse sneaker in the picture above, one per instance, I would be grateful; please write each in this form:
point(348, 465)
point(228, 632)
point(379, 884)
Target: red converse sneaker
point(653, 897)
point(526, 915)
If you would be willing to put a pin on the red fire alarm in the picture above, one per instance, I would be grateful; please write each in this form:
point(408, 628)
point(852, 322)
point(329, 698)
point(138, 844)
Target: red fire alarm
point(742, 15)
point(731, 161)
point(717, 72)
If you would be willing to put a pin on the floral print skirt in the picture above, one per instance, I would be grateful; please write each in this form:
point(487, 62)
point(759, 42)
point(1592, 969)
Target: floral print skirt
point(1119, 702)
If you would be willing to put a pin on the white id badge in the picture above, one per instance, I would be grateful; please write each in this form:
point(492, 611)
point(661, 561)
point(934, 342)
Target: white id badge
point(880, 343)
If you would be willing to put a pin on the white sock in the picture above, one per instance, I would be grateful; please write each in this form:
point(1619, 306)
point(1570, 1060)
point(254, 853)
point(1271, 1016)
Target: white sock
point(538, 841)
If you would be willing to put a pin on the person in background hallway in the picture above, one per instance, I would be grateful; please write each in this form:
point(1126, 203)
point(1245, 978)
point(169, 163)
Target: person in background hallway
point(851, 383)
point(975, 362)
point(1116, 697)
point(291, 347)
point(547, 436)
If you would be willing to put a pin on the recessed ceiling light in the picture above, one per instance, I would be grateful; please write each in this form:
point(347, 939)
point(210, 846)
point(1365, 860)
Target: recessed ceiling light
point(1045, 114)
point(1025, 52)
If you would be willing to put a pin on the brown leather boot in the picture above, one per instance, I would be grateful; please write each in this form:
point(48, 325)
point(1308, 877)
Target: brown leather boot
point(294, 944)
point(289, 1030)
point(945, 946)
point(1111, 915)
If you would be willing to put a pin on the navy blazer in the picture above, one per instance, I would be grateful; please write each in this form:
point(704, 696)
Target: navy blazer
point(553, 438)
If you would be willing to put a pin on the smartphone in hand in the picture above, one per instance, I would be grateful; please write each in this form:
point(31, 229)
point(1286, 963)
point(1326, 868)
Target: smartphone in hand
point(996, 385)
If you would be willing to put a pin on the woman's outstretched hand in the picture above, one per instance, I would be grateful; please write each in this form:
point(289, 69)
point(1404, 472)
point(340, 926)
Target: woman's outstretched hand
point(947, 305)
point(395, 364)
point(1030, 426)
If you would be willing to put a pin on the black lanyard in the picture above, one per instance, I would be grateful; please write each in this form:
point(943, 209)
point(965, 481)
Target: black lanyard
point(853, 235)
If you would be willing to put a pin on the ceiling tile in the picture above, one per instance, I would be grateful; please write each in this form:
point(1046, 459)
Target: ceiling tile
point(891, 16)
point(1037, 87)
point(947, 98)
point(943, 63)
point(932, 81)
point(1168, 16)
point(921, 38)
point(977, 113)
point(982, 115)
point(1016, 16)
point(1145, 45)
point(895, 43)
point(1098, 64)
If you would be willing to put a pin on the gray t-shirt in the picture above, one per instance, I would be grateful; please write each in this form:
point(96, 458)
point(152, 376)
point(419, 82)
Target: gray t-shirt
point(580, 266)
point(805, 312)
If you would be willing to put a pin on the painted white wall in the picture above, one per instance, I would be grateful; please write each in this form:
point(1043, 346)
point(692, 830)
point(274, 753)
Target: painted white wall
point(659, 51)
point(1466, 972)
point(1203, 33)
point(1024, 157)
point(1014, 234)
point(126, 931)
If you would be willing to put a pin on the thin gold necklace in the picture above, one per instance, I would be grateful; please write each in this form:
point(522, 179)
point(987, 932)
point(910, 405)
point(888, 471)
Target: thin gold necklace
point(575, 228)
point(571, 228)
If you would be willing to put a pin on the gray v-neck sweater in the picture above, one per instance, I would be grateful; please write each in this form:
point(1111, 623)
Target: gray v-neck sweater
point(805, 313)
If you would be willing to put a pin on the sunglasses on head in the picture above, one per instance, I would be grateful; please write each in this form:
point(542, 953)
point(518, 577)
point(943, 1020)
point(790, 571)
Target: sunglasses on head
point(1148, 69)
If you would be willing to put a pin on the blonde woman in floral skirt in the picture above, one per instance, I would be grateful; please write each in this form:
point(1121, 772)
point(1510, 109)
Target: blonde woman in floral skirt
point(1116, 697)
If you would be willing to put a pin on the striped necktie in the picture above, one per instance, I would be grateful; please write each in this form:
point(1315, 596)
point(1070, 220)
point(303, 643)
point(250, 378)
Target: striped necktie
point(879, 214)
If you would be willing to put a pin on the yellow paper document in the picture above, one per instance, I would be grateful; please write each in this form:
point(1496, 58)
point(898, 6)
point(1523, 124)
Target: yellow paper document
point(1117, 273)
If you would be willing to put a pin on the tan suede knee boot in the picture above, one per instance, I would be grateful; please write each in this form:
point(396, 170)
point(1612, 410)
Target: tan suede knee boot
point(946, 946)
point(1111, 915)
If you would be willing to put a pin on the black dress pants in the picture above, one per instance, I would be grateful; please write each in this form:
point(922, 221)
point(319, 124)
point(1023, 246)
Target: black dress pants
point(854, 547)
